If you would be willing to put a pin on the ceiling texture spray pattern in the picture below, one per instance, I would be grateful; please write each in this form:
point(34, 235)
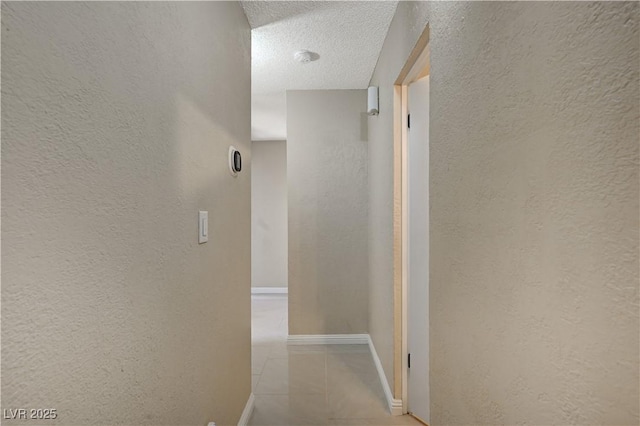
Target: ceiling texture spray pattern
point(347, 36)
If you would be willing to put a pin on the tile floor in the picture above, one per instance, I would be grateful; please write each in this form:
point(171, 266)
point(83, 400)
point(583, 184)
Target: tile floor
point(314, 384)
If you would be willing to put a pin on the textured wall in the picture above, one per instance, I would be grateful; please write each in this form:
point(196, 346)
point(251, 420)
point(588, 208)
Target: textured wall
point(406, 27)
point(269, 214)
point(327, 174)
point(534, 203)
point(116, 121)
point(534, 209)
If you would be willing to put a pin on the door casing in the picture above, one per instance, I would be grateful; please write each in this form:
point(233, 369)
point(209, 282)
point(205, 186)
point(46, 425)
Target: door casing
point(416, 67)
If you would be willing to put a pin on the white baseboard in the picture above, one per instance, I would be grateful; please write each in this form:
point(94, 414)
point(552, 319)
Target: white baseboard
point(328, 339)
point(269, 290)
point(395, 405)
point(248, 410)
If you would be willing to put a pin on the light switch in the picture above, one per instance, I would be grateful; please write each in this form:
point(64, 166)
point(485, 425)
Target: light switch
point(203, 227)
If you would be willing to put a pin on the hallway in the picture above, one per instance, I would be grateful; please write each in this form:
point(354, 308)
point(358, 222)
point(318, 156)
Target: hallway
point(472, 258)
point(311, 384)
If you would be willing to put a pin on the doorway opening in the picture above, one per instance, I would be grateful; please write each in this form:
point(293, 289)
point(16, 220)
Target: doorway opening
point(411, 231)
point(269, 253)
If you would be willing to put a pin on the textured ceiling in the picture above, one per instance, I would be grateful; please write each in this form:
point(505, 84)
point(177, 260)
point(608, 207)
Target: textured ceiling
point(348, 36)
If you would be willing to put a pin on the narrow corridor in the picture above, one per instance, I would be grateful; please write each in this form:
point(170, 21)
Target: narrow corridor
point(311, 384)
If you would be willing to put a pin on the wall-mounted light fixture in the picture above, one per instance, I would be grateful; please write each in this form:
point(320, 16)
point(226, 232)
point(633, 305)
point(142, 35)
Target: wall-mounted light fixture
point(372, 101)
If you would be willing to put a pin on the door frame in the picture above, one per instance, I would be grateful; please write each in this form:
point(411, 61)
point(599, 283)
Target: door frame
point(416, 66)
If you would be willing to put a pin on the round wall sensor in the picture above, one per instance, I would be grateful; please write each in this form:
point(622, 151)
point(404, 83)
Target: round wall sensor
point(235, 161)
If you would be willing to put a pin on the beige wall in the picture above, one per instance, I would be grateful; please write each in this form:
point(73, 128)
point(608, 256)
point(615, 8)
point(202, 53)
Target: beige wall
point(327, 175)
point(269, 214)
point(116, 122)
point(534, 209)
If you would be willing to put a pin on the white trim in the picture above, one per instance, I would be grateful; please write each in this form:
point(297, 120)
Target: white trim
point(269, 290)
point(328, 339)
point(405, 249)
point(248, 410)
point(395, 405)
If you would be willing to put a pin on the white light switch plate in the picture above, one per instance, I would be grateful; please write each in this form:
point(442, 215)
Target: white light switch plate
point(203, 227)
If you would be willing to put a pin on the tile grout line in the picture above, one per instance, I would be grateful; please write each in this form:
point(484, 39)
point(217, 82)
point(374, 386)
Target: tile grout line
point(326, 380)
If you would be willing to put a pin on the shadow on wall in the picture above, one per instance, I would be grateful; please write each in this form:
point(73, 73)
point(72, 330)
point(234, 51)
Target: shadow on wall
point(364, 127)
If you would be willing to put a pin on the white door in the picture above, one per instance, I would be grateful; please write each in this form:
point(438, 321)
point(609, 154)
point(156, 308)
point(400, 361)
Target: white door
point(418, 249)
